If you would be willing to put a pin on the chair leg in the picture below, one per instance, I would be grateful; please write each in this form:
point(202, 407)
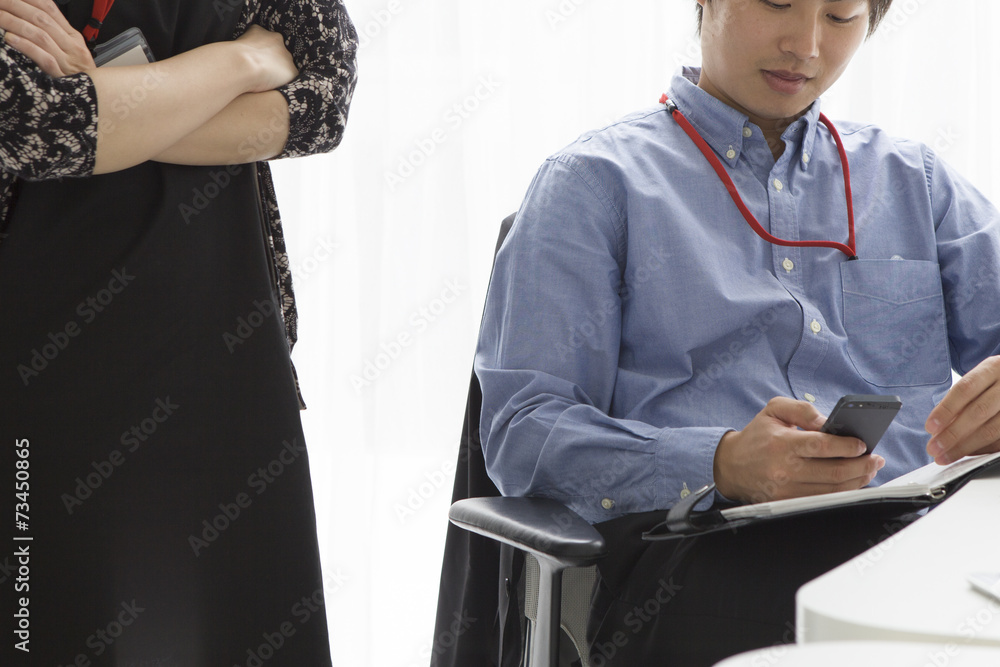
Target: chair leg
point(544, 642)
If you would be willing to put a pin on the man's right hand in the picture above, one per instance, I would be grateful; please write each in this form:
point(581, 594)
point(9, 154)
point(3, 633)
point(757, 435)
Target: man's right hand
point(781, 454)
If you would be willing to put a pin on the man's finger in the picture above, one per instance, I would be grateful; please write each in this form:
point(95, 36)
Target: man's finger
point(979, 412)
point(827, 446)
point(966, 390)
point(839, 472)
point(850, 485)
point(795, 413)
point(801, 489)
point(945, 449)
point(971, 426)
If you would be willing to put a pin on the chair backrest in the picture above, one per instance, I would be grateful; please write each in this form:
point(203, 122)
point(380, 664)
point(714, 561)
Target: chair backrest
point(471, 573)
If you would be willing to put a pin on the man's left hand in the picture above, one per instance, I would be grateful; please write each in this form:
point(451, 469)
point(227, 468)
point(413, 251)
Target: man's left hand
point(967, 420)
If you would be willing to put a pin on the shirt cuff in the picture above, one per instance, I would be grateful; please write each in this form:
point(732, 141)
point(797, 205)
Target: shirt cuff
point(686, 461)
point(719, 498)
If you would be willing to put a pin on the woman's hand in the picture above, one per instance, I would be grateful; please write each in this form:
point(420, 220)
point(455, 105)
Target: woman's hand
point(38, 29)
point(269, 56)
point(180, 94)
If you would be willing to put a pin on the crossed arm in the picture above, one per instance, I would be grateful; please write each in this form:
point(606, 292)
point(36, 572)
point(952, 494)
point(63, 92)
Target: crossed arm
point(216, 104)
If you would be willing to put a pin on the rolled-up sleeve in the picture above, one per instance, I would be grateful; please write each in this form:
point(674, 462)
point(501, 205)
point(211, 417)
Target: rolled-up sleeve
point(323, 43)
point(48, 125)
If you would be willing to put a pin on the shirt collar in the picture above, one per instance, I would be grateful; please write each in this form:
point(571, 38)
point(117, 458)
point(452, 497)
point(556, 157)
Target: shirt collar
point(725, 129)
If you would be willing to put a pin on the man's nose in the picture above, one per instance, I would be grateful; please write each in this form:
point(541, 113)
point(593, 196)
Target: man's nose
point(802, 38)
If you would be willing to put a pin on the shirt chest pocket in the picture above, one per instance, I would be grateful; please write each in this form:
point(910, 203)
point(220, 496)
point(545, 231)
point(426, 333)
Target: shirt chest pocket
point(897, 334)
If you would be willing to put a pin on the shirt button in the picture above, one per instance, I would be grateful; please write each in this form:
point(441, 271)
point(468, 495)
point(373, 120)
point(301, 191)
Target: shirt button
point(730, 154)
point(608, 504)
point(788, 265)
point(816, 327)
point(747, 132)
point(805, 158)
point(778, 185)
point(810, 398)
point(685, 492)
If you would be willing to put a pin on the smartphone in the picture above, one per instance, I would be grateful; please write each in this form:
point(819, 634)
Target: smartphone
point(863, 416)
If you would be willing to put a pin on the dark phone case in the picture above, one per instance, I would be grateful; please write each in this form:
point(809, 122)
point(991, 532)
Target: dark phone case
point(867, 418)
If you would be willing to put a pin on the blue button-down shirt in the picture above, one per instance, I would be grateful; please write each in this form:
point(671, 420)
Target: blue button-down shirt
point(634, 317)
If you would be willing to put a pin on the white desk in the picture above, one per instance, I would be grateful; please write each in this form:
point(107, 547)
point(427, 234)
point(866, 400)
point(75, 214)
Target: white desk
point(912, 587)
point(867, 654)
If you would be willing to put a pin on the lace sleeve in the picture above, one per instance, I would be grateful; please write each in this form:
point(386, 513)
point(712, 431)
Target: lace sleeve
point(323, 42)
point(48, 125)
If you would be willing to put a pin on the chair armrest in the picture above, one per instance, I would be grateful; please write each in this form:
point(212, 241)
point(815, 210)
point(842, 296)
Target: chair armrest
point(543, 527)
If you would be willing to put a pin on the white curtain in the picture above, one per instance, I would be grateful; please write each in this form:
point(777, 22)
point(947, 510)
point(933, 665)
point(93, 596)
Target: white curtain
point(392, 236)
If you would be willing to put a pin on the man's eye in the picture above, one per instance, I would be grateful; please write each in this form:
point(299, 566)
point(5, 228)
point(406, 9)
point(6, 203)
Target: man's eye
point(774, 5)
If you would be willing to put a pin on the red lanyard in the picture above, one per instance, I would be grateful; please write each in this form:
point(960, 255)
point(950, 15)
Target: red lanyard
point(706, 150)
point(100, 12)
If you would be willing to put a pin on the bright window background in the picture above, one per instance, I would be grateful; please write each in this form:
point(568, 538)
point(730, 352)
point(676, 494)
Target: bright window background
point(392, 236)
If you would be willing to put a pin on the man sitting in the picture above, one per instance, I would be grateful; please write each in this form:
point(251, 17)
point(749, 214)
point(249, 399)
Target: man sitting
point(640, 340)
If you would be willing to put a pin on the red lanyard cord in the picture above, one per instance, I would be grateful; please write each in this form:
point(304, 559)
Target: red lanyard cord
point(707, 151)
point(97, 16)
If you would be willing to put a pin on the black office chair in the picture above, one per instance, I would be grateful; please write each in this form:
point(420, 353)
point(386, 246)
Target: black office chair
point(522, 568)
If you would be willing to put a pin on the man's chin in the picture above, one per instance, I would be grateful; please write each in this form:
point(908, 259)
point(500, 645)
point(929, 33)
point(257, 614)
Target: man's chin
point(781, 114)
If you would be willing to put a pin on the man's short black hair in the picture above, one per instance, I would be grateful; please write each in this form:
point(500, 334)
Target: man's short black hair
point(876, 12)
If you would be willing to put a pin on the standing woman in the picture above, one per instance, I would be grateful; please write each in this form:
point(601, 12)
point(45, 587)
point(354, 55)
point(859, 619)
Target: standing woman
point(149, 414)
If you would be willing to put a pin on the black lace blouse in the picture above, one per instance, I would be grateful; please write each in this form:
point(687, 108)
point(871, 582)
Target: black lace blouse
point(48, 126)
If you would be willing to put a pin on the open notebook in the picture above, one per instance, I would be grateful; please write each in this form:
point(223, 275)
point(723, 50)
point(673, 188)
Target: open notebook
point(931, 483)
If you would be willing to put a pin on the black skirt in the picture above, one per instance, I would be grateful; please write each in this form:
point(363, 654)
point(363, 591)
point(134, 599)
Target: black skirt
point(150, 413)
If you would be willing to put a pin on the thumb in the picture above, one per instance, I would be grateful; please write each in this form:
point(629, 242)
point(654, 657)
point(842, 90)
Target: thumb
point(796, 413)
